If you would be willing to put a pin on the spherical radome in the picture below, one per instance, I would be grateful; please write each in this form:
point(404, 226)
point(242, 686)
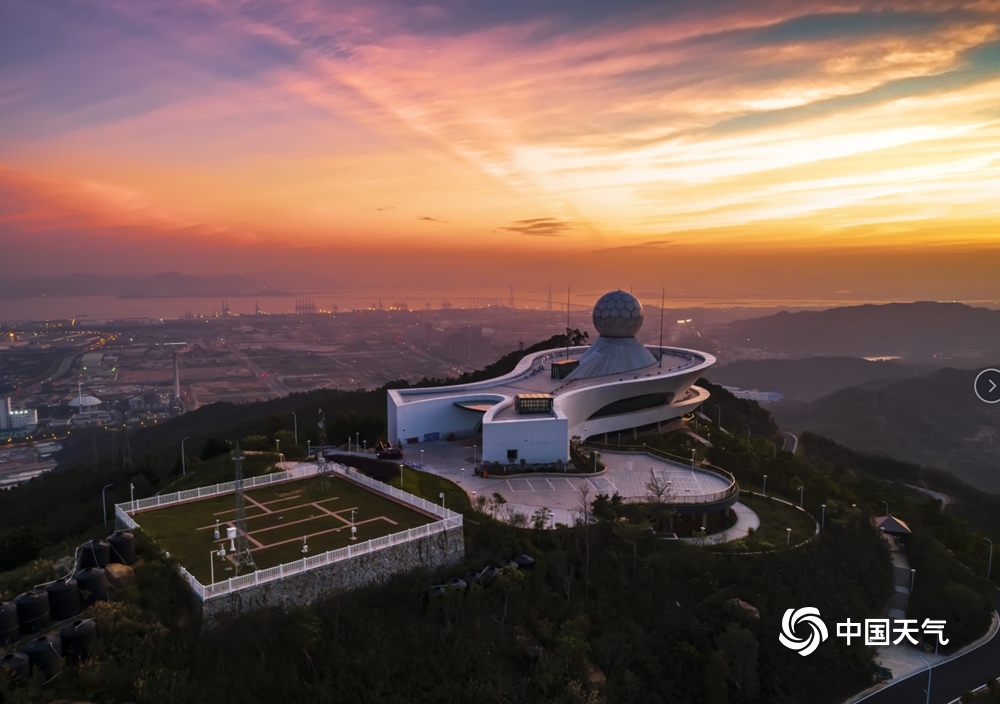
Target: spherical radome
point(618, 314)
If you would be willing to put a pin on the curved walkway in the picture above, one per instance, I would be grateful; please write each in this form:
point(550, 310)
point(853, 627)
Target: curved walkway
point(627, 474)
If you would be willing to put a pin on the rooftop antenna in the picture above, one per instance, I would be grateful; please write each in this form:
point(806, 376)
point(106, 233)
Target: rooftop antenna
point(567, 321)
point(663, 293)
point(242, 556)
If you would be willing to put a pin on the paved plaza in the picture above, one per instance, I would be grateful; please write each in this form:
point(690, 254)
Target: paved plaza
point(628, 473)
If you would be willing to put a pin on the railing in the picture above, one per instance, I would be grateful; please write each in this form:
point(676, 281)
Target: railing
point(731, 490)
point(450, 520)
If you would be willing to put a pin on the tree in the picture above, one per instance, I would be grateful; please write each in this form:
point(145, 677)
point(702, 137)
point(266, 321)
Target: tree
point(540, 518)
point(659, 488)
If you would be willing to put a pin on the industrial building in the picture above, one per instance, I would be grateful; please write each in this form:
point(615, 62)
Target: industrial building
point(614, 385)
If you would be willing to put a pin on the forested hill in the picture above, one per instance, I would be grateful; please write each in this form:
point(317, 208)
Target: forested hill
point(934, 420)
point(904, 329)
point(811, 378)
point(612, 612)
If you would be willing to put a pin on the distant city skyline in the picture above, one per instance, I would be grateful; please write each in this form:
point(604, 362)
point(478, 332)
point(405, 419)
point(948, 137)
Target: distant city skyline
point(812, 149)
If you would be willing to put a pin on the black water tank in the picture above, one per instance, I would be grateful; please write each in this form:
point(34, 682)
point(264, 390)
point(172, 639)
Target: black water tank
point(95, 553)
point(93, 585)
point(64, 599)
point(122, 547)
point(79, 639)
point(10, 631)
point(33, 611)
point(45, 653)
point(17, 665)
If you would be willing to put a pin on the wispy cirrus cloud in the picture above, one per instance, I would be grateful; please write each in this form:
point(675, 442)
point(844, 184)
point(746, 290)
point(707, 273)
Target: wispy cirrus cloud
point(641, 120)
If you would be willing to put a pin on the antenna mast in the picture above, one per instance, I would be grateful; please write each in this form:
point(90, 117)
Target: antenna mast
point(663, 293)
point(567, 321)
point(242, 556)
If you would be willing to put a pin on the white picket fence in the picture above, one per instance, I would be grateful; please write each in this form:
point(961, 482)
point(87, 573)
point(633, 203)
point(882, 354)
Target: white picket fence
point(450, 520)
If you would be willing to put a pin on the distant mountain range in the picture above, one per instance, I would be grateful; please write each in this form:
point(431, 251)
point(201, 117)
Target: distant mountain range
point(165, 285)
point(933, 419)
point(910, 330)
point(809, 379)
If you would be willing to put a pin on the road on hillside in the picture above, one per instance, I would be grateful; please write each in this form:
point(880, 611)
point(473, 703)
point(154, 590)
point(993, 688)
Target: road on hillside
point(791, 442)
point(949, 680)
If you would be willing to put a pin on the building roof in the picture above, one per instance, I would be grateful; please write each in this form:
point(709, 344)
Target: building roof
point(892, 525)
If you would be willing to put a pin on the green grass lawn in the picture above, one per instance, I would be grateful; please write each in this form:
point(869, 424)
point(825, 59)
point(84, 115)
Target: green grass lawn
point(278, 516)
point(775, 518)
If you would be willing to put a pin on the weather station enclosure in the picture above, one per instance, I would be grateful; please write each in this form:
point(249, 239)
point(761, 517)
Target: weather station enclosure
point(312, 532)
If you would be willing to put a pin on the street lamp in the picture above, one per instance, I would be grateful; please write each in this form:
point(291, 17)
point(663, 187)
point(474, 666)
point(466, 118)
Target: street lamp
point(929, 671)
point(295, 420)
point(356, 440)
point(886, 507)
point(184, 458)
point(764, 490)
point(131, 492)
point(462, 470)
point(788, 536)
point(822, 520)
point(801, 493)
point(989, 566)
point(474, 449)
point(104, 505)
point(441, 496)
point(913, 574)
point(277, 448)
point(692, 458)
point(400, 477)
point(421, 459)
point(365, 441)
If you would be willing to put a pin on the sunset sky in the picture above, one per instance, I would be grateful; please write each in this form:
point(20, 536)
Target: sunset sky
point(831, 145)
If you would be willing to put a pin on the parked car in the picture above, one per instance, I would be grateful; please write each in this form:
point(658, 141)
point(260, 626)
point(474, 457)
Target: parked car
point(390, 453)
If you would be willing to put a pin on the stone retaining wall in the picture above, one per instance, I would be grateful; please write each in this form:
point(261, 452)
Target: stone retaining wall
point(430, 552)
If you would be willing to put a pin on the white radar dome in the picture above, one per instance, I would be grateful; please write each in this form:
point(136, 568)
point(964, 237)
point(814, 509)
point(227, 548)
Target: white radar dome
point(618, 314)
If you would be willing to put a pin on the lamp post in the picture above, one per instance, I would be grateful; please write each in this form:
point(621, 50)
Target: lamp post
point(295, 421)
point(764, 490)
point(104, 505)
point(801, 493)
point(886, 507)
point(474, 449)
point(277, 448)
point(131, 492)
point(913, 574)
point(462, 470)
point(989, 565)
point(356, 440)
point(692, 458)
point(400, 477)
point(788, 536)
point(822, 520)
point(441, 496)
point(421, 459)
point(366, 445)
point(929, 671)
point(184, 458)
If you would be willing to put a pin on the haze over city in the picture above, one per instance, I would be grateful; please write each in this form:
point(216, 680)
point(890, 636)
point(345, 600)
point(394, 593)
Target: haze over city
point(801, 149)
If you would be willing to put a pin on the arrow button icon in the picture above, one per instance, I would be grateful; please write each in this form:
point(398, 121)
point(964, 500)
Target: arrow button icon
point(987, 386)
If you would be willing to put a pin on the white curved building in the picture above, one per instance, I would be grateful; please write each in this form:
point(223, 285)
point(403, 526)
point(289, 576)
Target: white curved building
point(615, 384)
